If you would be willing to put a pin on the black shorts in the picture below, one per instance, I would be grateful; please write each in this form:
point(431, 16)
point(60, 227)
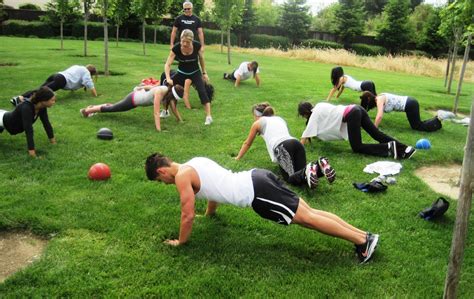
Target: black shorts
point(273, 201)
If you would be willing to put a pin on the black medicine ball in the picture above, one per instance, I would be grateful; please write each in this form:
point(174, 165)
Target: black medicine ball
point(105, 134)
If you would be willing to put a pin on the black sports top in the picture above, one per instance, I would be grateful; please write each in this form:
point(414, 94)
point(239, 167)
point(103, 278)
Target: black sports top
point(188, 64)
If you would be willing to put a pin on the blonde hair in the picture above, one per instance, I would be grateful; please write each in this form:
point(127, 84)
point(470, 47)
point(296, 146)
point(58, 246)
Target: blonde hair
point(187, 34)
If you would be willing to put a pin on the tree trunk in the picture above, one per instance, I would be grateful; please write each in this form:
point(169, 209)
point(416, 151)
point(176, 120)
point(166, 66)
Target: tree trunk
point(447, 64)
point(117, 36)
point(228, 46)
point(462, 215)
point(143, 37)
point(154, 35)
point(106, 39)
point(461, 76)
point(61, 25)
point(222, 40)
point(453, 64)
point(86, 17)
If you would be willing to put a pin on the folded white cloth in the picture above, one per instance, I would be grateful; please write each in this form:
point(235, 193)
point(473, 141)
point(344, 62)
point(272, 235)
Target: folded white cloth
point(465, 121)
point(383, 168)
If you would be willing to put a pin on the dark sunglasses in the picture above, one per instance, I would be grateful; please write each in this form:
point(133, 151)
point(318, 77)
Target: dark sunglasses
point(185, 9)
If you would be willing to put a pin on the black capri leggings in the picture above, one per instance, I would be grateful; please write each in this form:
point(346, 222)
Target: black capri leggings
point(368, 86)
point(291, 157)
point(358, 118)
point(179, 78)
point(412, 109)
point(124, 105)
point(55, 82)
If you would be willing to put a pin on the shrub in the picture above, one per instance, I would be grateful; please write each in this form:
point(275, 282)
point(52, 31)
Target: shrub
point(214, 37)
point(417, 53)
point(268, 41)
point(95, 30)
point(24, 28)
point(368, 50)
point(29, 6)
point(320, 44)
point(162, 34)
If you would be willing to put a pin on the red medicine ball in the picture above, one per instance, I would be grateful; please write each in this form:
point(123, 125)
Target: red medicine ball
point(99, 172)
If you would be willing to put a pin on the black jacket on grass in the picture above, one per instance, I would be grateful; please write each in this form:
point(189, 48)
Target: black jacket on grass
point(22, 118)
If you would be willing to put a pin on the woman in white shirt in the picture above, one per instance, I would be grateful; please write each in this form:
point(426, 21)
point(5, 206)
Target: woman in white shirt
point(143, 95)
point(329, 122)
point(387, 102)
point(284, 149)
point(340, 81)
point(245, 71)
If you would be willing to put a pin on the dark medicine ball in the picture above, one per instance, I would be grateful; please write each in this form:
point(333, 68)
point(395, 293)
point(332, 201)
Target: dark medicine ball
point(105, 134)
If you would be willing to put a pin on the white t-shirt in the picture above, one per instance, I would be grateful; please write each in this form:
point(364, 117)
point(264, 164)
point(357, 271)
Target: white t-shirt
point(274, 131)
point(145, 97)
point(244, 72)
point(77, 76)
point(352, 83)
point(222, 185)
point(326, 123)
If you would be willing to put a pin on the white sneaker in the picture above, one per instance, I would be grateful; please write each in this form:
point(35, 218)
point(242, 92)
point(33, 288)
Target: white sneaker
point(164, 114)
point(208, 120)
point(442, 114)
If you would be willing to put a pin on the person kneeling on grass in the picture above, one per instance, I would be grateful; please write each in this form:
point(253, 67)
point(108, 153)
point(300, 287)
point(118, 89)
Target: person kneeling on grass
point(329, 122)
point(340, 81)
point(26, 113)
point(244, 72)
point(387, 102)
point(284, 149)
point(143, 95)
point(203, 178)
point(75, 77)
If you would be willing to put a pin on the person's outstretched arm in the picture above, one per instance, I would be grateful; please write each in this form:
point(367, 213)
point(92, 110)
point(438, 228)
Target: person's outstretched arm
point(173, 36)
point(205, 77)
point(248, 142)
point(175, 111)
point(168, 63)
point(335, 88)
point(380, 104)
point(237, 80)
point(156, 109)
point(257, 79)
point(187, 87)
point(201, 37)
point(211, 208)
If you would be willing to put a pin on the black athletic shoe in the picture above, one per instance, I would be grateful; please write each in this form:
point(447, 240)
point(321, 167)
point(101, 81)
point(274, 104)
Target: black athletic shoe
point(408, 152)
point(15, 101)
point(366, 250)
point(225, 75)
point(311, 173)
point(392, 150)
point(326, 169)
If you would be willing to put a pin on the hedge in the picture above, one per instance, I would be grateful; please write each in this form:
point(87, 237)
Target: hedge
point(269, 41)
point(368, 50)
point(25, 28)
point(214, 37)
point(321, 44)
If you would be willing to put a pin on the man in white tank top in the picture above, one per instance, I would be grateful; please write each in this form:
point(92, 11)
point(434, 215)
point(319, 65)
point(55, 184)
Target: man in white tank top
point(203, 178)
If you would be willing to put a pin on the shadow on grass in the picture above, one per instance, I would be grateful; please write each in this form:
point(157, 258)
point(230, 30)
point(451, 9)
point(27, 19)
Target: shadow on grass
point(81, 55)
point(112, 73)
point(59, 49)
point(3, 64)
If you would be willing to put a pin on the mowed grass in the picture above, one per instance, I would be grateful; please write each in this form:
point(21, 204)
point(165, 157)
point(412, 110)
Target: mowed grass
point(106, 237)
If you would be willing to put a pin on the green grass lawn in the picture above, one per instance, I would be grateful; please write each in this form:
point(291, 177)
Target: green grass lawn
point(106, 237)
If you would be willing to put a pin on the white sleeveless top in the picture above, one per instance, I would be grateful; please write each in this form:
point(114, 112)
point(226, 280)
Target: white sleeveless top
point(394, 102)
point(352, 83)
point(222, 185)
point(326, 123)
point(274, 131)
point(145, 97)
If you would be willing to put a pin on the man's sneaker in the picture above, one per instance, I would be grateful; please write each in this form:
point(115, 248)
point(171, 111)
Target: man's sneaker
point(366, 250)
point(392, 150)
point(208, 120)
point(164, 113)
point(225, 75)
point(326, 169)
point(15, 101)
point(311, 173)
point(408, 152)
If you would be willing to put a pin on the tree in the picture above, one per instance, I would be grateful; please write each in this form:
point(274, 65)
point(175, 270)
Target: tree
point(267, 13)
point(431, 41)
point(394, 33)
point(145, 9)
point(29, 6)
point(374, 7)
point(119, 11)
point(176, 7)
point(295, 20)
point(62, 12)
point(326, 20)
point(87, 11)
point(159, 8)
point(350, 20)
point(3, 14)
point(248, 23)
point(227, 14)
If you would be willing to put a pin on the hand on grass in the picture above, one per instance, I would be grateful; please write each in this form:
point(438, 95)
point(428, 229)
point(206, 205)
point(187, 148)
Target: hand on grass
point(52, 140)
point(171, 242)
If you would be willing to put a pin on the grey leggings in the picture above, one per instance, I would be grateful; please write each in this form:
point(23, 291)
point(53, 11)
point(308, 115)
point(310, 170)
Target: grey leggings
point(124, 105)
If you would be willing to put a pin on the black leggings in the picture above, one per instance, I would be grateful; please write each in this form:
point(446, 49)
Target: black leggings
point(198, 83)
point(124, 105)
point(368, 86)
point(55, 82)
point(412, 109)
point(358, 118)
point(291, 157)
point(163, 77)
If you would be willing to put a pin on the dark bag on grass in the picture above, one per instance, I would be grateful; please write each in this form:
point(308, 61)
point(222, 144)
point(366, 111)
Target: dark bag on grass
point(374, 186)
point(437, 209)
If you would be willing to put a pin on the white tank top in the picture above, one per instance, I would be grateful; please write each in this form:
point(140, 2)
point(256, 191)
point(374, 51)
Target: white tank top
point(222, 185)
point(145, 97)
point(274, 131)
point(394, 102)
point(352, 83)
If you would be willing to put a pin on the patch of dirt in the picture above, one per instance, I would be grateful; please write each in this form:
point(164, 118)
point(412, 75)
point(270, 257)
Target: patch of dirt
point(442, 179)
point(17, 251)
